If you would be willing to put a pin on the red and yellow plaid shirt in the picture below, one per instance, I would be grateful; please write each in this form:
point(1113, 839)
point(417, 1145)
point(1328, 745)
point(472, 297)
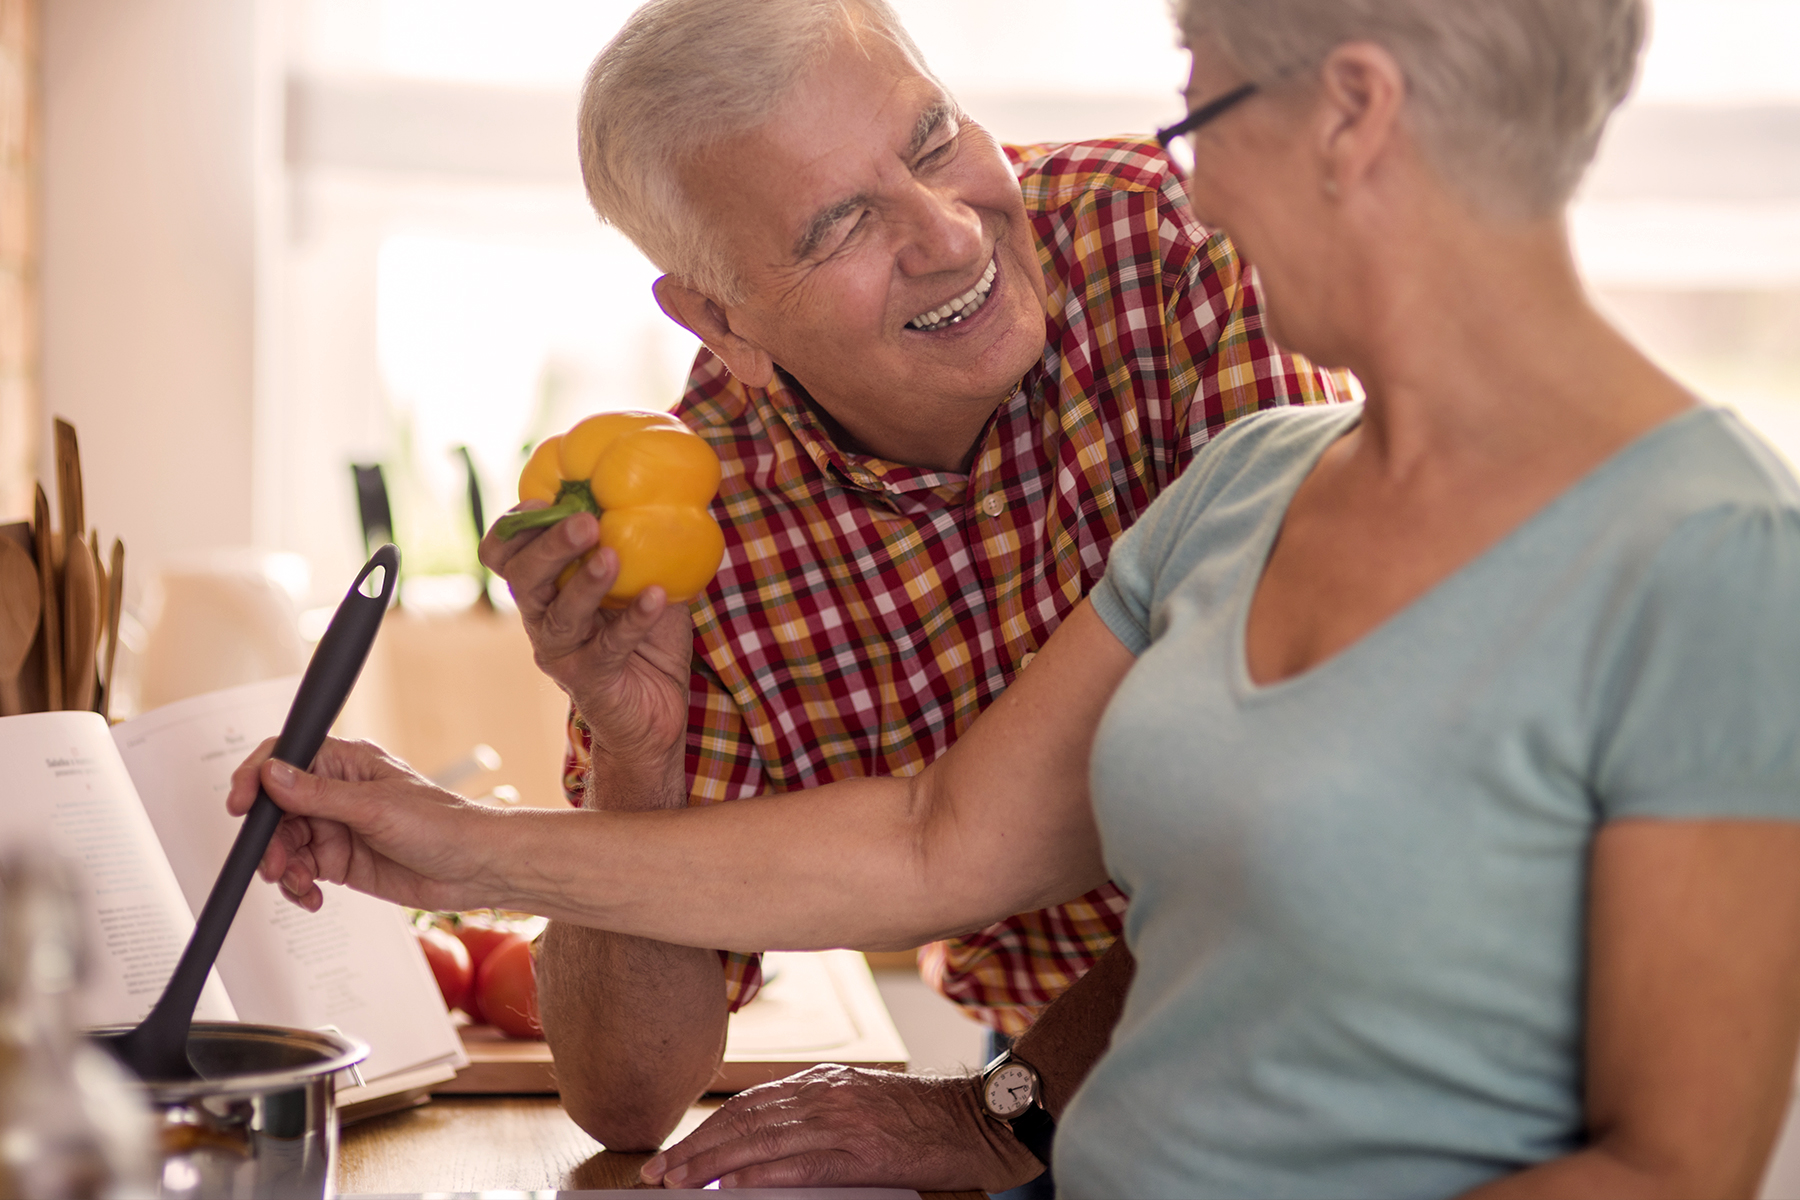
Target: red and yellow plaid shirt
point(866, 610)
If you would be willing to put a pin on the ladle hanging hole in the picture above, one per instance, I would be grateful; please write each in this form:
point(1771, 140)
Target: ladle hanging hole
point(375, 582)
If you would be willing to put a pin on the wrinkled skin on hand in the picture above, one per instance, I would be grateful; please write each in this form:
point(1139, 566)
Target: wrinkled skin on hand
point(402, 818)
point(835, 1126)
point(626, 670)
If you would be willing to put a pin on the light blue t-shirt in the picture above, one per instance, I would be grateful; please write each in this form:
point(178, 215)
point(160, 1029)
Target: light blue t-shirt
point(1357, 895)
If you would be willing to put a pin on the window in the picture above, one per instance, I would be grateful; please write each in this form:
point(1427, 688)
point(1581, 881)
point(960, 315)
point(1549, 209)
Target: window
point(442, 281)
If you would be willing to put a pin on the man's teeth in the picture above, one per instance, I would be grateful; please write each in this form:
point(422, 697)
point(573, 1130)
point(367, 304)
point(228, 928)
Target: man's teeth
point(965, 305)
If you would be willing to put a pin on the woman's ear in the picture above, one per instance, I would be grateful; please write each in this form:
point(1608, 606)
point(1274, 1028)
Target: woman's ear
point(709, 321)
point(1364, 93)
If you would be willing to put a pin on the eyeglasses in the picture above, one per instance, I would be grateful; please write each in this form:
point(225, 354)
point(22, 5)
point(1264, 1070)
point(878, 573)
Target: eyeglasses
point(1176, 138)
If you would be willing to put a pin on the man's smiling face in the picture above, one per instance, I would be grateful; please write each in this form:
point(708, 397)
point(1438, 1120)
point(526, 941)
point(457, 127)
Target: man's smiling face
point(885, 255)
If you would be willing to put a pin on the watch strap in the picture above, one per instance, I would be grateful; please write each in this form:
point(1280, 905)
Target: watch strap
point(1036, 1129)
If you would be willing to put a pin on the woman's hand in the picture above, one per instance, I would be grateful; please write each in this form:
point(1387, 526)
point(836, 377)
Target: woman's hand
point(626, 670)
point(410, 842)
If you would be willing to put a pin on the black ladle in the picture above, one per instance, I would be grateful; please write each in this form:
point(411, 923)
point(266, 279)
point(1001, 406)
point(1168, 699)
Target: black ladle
point(157, 1049)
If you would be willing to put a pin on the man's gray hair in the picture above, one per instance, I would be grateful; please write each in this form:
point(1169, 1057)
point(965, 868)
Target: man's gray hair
point(1508, 98)
point(683, 75)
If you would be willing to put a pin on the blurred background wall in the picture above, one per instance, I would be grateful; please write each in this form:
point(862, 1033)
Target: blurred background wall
point(19, 123)
point(151, 197)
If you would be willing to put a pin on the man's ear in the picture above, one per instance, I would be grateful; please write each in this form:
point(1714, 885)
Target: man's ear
point(707, 320)
point(1364, 91)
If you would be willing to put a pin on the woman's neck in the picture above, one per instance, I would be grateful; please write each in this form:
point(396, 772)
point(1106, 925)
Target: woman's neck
point(1477, 343)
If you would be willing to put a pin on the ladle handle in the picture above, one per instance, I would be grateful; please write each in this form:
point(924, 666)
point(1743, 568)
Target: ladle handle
point(330, 675)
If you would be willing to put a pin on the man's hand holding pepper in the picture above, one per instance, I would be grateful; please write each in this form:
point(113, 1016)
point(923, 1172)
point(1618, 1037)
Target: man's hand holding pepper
point(625, 669)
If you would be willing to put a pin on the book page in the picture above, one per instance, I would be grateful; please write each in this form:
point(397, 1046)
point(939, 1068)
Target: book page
point(66, 788)
point(354, 964)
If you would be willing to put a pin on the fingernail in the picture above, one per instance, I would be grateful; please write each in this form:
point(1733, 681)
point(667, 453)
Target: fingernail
point(652, 1170)
point(283, 773)
point(675, 1178)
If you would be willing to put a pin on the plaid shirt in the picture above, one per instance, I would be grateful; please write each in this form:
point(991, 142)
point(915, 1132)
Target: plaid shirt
point(867, 611)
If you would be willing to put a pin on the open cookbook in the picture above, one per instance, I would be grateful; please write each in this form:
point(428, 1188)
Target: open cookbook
point(140, 808)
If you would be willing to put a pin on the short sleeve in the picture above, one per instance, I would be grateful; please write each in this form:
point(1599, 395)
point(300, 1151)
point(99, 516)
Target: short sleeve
point(1126, 593)
point(1252, 465)
point(1706, 698)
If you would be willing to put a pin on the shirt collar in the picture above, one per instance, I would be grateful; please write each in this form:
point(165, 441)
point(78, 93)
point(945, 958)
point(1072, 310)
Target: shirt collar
point(880, 476)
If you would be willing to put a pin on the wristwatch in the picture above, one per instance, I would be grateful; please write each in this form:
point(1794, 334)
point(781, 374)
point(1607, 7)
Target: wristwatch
point(1012, 1093)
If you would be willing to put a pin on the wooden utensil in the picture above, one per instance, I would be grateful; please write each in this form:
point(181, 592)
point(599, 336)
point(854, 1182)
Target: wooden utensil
point(31, 675)
point(68, 481)
point(101, 592)
point(21, 607)
point(115, 600)
point(99, 576)
point(81, 626)
point(52, 603)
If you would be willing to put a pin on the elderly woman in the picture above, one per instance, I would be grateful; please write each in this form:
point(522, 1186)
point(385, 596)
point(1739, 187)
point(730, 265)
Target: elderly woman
point(1448, 747)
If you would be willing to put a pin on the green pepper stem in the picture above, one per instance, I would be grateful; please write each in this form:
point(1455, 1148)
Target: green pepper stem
point(574, 497)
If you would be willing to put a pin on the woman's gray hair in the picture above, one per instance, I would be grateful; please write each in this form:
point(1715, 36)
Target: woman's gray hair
point(1508, 98)
point(683, 75)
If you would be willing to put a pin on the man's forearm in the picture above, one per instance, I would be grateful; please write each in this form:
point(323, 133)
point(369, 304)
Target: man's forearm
point(1074, 1032)
point(637, 1029)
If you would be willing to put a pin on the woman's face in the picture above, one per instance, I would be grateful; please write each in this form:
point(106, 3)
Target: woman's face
point(1258, 176)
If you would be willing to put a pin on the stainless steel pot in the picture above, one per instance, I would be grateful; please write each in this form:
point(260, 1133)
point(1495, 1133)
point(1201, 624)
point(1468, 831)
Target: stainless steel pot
point(262, 1120)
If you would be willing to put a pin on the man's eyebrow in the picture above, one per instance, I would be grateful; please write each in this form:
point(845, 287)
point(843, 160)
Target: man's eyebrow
point(929, 122)
point(821, 224)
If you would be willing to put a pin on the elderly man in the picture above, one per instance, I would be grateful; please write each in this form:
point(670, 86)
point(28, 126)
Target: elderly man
point(942, 377)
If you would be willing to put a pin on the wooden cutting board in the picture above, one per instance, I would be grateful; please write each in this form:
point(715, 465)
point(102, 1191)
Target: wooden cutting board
point(817, 1008)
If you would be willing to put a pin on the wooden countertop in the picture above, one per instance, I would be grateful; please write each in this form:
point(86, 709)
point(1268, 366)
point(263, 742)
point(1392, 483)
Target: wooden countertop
point(491, 1143)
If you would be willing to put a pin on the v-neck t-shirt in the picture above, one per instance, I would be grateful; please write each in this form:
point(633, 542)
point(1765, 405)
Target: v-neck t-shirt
point(1358, 894)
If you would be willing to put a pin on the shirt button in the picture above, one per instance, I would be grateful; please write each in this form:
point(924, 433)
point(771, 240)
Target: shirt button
point(1025, 659)
point(993, 504)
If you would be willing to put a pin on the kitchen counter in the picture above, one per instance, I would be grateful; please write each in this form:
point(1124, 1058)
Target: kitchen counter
point(492, 1143)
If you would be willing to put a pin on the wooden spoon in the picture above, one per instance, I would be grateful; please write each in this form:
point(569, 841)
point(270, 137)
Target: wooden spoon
point(81, 626)
point(21, 605)
point(100, 583)
point(68, 480)
point(52, 606)
point(115, 600)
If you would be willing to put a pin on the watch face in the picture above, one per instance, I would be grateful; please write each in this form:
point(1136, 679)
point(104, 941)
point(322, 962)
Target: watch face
point(1009, 1091)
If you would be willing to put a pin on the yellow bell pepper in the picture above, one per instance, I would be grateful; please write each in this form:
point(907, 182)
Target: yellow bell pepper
point(649, 479)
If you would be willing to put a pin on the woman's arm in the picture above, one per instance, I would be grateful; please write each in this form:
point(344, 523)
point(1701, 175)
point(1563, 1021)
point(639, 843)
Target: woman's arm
point(1000, 824)
point(1693, 1011)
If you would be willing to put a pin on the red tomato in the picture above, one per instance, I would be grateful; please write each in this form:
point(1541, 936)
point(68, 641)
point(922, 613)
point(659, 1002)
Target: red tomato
point(450, 964)
point(506, 986)
point(481, 940)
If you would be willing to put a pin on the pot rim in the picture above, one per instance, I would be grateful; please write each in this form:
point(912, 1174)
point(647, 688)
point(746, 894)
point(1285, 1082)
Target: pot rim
point(337, 1051)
